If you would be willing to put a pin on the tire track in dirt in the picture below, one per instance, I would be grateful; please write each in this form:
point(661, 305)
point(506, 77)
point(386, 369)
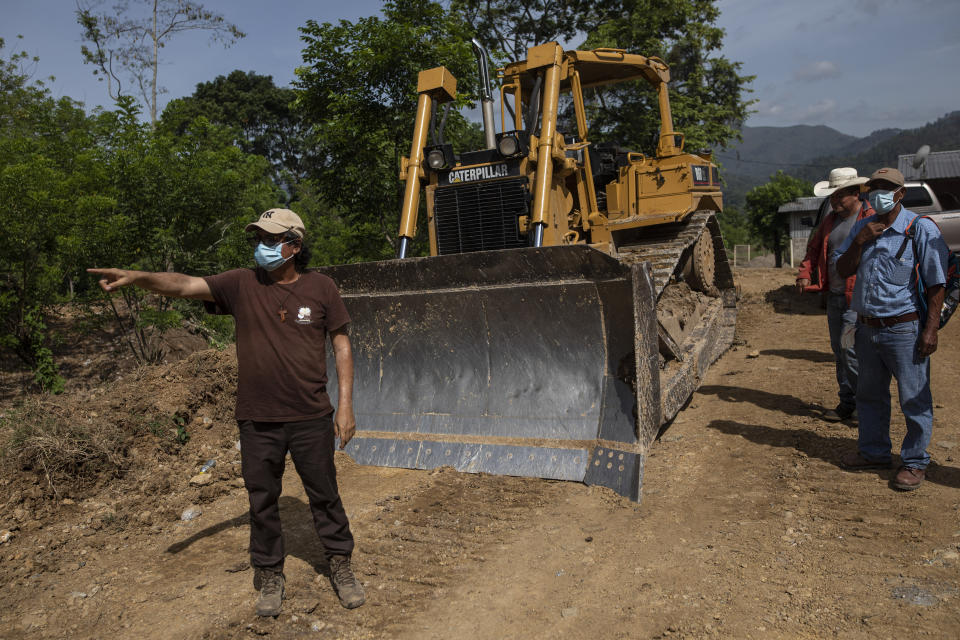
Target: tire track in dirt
point(417, 538)
point(748, 529)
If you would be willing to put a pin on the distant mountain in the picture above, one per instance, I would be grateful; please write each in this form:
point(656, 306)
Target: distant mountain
point(941, 135)
point(863, 144)
point(809, 152)
point(764, 150)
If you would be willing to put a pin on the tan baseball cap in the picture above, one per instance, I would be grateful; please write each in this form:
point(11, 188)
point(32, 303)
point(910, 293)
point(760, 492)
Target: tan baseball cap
point(888, 174)
point(278, 221)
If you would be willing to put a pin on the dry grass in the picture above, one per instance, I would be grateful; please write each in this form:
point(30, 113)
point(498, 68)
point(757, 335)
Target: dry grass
point(64, 450)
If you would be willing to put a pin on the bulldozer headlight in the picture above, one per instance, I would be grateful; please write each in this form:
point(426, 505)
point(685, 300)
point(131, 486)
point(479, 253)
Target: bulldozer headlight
point(435, 159)
point(439, 156)
point(511, 143)
point(507, 146)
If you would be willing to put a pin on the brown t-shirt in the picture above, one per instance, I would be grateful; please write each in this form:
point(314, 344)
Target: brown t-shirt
point(282, 364)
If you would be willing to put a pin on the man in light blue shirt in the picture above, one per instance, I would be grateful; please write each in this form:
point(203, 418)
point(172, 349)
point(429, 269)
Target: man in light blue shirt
point(893, 336)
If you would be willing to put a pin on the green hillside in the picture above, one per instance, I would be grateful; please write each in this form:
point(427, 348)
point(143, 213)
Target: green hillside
point(765, 150)
point(941, 135)
point(809, 152)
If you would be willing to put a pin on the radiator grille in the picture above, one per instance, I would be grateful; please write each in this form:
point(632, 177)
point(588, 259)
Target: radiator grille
point(480, 216)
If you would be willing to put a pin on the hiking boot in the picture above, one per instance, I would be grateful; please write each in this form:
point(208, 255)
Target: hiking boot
point(908, 478)
point(269, 583)
point(345, 583)
point(853, 461)
point(840, 414)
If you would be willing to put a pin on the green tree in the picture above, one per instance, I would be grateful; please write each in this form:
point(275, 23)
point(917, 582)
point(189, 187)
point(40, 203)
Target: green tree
point(735, 227)
point(763, 203)
point(260, 113)
point(127, 40)
point(357, 90)
point(707, 91)
point(43, 164)
point(176, 203)
point(82, 191)
point(509, 27)
point(17, 91)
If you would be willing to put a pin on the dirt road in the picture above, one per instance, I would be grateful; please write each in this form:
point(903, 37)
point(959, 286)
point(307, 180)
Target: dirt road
point(748, 529)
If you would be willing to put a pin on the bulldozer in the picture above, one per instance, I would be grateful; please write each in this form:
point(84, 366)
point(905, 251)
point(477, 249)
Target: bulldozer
point(541, 337)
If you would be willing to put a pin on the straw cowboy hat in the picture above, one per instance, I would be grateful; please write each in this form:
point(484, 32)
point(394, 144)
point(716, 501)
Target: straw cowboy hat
point(838, 179)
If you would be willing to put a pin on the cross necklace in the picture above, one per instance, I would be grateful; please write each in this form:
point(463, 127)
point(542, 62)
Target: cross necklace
point(282, 310)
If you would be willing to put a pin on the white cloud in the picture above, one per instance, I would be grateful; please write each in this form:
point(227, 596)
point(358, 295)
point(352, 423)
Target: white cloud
point(943, 50)
point(817, 71)
point(767, 108)
point(818, 111)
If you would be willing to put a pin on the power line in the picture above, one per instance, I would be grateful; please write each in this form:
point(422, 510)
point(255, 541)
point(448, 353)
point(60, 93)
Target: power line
point(776, 164)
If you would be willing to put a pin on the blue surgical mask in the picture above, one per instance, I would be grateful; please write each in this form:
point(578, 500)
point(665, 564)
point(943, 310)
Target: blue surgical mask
point(881, 201)
point(269, 258)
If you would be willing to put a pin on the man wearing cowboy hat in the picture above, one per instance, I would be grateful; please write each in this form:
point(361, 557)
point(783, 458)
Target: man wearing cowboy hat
point(893, 339)
point(818, 273)
point(283, 314)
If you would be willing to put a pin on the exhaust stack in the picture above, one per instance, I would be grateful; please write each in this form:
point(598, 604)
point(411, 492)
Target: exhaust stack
point(486, 95)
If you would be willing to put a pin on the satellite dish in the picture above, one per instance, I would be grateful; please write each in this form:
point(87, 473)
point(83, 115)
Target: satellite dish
point(921, 156)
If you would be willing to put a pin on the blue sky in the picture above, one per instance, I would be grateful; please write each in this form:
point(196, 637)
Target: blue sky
point(854, 65)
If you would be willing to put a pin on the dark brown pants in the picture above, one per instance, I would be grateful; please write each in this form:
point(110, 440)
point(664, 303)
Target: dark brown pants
point(263, 450)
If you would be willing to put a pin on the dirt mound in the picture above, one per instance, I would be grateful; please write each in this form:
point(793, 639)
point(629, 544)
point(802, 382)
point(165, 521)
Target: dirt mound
point(128, 437)
point(90, 348)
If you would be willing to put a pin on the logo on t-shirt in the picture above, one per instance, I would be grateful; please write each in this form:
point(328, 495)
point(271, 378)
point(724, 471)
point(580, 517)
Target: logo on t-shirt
point(303, 315)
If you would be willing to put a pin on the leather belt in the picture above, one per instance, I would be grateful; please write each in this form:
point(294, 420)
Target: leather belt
point(889, 321)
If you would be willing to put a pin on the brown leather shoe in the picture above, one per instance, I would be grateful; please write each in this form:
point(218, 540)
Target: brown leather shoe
point(271, 586)
point(840, 414)
point(853, 461)
point(908, 478)
point(345, 583)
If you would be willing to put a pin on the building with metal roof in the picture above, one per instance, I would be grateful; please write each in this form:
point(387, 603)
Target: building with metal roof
point(939, 165)
point(802, 221)
point(941, 170)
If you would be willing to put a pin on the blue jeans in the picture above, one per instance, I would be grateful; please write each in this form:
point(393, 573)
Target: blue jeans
point(882, 352)
point(839, 316)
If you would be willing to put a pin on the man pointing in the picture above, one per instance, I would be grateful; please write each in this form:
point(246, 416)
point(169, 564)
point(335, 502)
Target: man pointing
point(283, 315)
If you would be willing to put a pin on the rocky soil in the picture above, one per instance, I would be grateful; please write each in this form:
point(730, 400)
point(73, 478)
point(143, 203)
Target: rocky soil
point(747, 529)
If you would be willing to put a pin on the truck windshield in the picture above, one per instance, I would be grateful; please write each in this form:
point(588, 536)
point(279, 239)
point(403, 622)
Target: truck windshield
point(916, 197)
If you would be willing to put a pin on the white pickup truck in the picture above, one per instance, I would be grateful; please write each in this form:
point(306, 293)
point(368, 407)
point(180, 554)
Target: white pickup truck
point(944, 209)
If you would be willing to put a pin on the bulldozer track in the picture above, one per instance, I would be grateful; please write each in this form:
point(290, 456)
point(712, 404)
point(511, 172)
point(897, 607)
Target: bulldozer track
point(663, 246)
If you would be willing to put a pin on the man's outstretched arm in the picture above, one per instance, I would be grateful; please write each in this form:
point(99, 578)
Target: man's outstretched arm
point(172, 285)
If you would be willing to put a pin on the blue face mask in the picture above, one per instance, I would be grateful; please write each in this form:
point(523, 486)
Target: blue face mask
point(882, 201)
point(269, 258)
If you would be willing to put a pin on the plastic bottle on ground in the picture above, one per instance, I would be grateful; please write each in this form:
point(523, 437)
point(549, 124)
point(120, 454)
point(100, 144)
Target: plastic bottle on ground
point(191, 512)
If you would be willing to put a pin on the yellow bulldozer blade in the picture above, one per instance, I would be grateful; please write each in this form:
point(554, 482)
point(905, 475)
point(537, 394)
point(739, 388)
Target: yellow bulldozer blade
point(539, 362)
